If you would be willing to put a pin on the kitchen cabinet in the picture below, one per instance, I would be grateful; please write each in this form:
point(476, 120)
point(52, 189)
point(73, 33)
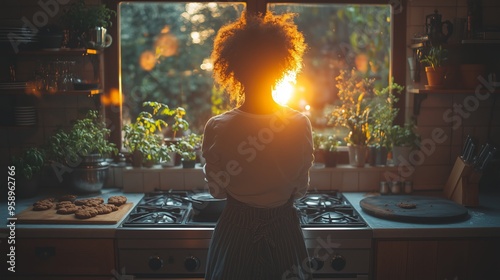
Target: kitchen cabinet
point(436, 259)
point(71, 258)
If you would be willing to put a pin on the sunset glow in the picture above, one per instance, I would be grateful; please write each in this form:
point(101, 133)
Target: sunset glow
point(284, 89)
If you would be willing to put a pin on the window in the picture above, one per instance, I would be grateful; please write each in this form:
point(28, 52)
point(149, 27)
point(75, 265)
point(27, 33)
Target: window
point(165, 49)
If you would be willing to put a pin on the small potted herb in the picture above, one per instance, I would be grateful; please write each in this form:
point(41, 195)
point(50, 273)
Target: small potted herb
point(143, 138)
point(403, 139)
point(187, 147)
point(382, 116)
point(330, 144)
point(435, 71)
point(28, 166)
point(79, 18)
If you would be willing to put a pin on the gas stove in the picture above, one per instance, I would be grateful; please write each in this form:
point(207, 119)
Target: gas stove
point(171, 209)
point(165, 238)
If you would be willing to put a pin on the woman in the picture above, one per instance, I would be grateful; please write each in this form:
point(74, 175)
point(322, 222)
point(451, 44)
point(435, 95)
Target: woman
point(258, 155)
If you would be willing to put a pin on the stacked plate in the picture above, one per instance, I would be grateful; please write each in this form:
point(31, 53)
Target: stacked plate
point(12, 85)
point(16, 36)
point(25, 115)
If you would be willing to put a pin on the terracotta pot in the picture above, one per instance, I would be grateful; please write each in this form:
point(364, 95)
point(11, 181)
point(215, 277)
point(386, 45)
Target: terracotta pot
point(435, 76)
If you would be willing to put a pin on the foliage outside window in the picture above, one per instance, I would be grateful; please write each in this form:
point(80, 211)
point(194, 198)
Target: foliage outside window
point(166, 48)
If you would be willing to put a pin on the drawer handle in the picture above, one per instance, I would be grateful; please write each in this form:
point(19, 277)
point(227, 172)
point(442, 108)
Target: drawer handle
point(45, 253)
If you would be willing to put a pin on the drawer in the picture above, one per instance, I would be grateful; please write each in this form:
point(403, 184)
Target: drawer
point(78, 257)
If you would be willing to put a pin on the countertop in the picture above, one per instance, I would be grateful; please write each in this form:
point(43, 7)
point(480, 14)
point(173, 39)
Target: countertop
point(483, 221)
point(65, 230)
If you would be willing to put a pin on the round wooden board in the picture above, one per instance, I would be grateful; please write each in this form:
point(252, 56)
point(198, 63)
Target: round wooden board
point(425, 210)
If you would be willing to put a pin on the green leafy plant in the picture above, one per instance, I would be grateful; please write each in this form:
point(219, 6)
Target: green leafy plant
point(404, 136)
point(383, 113)
point(87, 136)
point(78, 16)
point(29, 162)
point(353, 111)
point(330, 143)
point(187, 146)
point(435, 57)
point(145, 134)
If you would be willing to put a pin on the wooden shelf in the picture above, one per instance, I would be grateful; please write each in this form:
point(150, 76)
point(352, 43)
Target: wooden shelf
point(90, 92)
point(450, 91)
point(60, 52)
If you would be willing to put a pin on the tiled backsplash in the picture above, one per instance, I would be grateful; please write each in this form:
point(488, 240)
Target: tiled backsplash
point(342, 178)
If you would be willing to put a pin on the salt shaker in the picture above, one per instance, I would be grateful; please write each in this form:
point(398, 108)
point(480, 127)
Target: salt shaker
point(408, 188)
point(384, 187)
point(395, 187)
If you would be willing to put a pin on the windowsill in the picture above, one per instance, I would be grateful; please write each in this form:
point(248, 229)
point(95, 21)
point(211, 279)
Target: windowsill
point(342, 178)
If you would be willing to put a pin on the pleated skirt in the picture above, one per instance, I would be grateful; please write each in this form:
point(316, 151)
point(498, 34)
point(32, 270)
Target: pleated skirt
point(257, 244)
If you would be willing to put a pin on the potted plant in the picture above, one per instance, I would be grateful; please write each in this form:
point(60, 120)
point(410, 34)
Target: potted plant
point(353, 113)
point(319, 150)
point(330, 144)
point(28, 166)
point(79, 19)
point(143, 138)
point(435, 71)
point(82, 151)
point(187, 148)
point(403, 139)
point(382, 116)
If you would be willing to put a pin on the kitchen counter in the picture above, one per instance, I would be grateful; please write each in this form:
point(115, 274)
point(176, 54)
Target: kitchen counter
point(65, 230)
point(483, 221)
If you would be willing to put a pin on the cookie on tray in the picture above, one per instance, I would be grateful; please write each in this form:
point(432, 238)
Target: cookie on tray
point(103, 209)
point(112, 207)
point(85, 213)
point(62, 204)
point(67, 209)
point(67, 197)
point(117, 200)
point(42, 205)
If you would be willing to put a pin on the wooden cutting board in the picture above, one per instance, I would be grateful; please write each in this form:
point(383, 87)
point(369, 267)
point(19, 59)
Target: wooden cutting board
point(414, 209)
point(50, 216)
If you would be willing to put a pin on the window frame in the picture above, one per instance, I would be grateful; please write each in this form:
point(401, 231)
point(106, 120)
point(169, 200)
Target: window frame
point(112, 63)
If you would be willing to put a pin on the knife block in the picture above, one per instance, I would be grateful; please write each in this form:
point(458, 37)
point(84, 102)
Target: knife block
point(463, 184)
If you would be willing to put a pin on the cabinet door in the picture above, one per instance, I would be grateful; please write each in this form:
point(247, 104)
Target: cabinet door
point(65, 257)
point(390, 260)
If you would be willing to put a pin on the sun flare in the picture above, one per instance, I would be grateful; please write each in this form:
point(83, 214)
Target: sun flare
point(284, 90)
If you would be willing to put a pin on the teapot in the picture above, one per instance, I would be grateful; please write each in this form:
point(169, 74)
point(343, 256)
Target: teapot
point(434, 28)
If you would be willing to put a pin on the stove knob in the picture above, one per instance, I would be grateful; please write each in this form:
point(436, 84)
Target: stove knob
point(338, 262)
point(315, 264)
point(155, 263)
point(192, 263)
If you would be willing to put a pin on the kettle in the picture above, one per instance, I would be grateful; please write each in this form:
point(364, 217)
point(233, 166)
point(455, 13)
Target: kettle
point(434, 29)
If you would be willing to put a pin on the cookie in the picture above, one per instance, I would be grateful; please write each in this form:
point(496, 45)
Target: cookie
point(67, 209)
point(112, 207)
point(42, 205)
point(117, 200)
point(103, 209)
point(63, 204)
point(85, 213)
point(94, 201)
point(67, 197)
point(407, 205)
